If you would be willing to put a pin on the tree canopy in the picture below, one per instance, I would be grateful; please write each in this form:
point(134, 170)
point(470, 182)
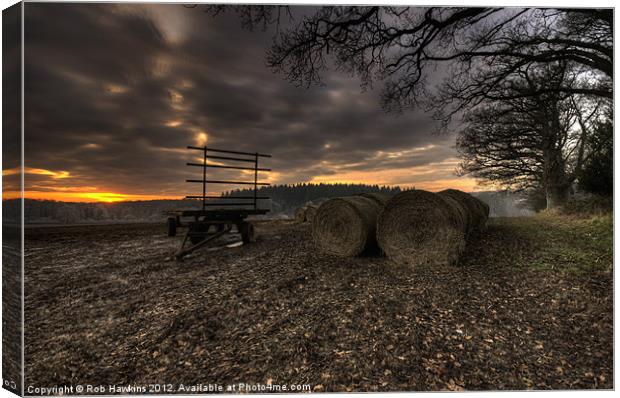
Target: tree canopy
point(529, 142)
point(597, 174)
point(479, 49)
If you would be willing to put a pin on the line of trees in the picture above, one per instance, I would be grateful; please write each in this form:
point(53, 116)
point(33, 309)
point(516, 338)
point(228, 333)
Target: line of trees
point(284, 199)
point(290, 196)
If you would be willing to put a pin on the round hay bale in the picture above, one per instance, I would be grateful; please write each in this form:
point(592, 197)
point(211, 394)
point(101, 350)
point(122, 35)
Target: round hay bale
point(485, 212)
point(300, 214)
point(475, 212)
point(486, 207)
point(419, 227)
point(460, 211)
point(380, 198)
point(311, 212)
point(346, 226)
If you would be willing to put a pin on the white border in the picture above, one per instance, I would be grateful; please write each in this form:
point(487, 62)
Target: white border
point(510, 3)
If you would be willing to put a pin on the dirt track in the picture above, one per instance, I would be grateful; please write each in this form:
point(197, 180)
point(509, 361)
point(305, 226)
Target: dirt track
point(103, 307)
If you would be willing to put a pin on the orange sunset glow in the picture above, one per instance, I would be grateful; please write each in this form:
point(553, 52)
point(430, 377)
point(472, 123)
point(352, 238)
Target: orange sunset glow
point(61, 185)
point(88, 197)
point(43, 172)
point(420, 178)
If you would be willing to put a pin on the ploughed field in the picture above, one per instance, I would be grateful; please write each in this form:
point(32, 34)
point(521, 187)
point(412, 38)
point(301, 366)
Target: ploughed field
point(528, 307)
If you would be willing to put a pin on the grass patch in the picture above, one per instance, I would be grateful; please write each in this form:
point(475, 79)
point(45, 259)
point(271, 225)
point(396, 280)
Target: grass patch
point(548, 242)
point(587, 207)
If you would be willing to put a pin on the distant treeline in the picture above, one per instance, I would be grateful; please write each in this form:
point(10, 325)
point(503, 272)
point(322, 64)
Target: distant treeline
point(54, 212)
point(284, 200)
point(288, 197)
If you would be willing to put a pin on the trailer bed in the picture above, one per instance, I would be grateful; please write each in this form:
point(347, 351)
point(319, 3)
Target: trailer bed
point(216, 213)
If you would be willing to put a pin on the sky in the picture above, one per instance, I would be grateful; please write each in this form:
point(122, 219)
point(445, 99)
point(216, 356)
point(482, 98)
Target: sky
point(115, 92)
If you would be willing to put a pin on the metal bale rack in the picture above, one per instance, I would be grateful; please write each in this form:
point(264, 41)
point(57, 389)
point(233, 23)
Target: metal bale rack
point(209, 223)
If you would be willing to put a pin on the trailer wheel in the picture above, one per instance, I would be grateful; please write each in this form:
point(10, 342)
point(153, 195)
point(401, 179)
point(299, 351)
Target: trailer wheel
point(201, 229)
point(172, 226)
point(247, 232)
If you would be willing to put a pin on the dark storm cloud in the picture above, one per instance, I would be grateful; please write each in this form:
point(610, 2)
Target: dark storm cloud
point(115, 92)
point(11, 96)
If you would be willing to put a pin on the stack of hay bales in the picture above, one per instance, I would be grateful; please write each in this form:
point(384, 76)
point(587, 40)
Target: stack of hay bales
point(413, 227)
point(347, 226)
point(420, 227)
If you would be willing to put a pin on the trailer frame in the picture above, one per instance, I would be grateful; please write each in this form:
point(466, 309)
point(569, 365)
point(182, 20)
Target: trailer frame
point(209, 223)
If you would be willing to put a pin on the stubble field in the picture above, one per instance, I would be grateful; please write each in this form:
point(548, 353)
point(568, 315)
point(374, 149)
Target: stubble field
point(530, 306)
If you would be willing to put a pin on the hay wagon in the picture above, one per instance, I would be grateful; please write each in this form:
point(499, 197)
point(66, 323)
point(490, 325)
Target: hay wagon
point(218, 215)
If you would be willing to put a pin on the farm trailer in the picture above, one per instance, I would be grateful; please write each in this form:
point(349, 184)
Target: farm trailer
point(219, 214)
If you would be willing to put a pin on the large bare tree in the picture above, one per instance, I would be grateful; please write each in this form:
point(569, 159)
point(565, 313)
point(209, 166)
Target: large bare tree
point(476, 48)
point(532, 136)
point(440, 58)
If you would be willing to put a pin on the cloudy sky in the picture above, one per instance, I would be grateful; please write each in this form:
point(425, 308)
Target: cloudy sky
point(115, 92)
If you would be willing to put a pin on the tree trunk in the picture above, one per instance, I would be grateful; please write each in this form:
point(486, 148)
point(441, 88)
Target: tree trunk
point(556, 182)
point(557, 195)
